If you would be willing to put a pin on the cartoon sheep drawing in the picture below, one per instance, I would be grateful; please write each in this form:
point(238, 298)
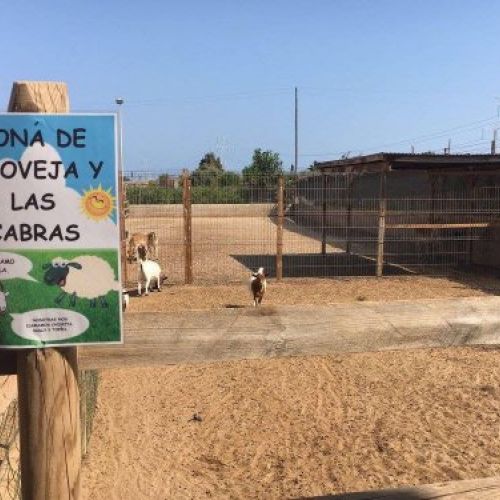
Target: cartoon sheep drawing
point(3, 300)
point(85, 277)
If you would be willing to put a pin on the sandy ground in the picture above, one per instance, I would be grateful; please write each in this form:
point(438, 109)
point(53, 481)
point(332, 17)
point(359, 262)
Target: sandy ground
point(295, 427)
point(286, 428)
point(216, 242)
point(225, 244)
point(316, 291)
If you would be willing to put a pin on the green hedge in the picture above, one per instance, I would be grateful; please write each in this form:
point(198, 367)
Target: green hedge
point(156, 195)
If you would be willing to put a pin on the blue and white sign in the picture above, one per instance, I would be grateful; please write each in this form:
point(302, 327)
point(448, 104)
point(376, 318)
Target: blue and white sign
point(59, 230)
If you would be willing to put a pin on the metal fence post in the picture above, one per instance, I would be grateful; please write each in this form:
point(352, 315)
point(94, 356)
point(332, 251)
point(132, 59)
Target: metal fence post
point(279, 230)
point(123, 233)
point(188, 230)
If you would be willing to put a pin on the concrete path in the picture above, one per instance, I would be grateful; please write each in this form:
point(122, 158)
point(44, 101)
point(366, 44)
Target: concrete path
point(244, 333)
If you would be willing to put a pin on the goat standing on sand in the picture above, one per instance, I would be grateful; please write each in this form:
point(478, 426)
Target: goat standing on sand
point(258, 285)
point(147, 271)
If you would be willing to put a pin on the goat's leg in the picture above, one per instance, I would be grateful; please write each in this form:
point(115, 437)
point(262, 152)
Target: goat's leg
point(103, 301)
point(158, 281)
point(72, 299)
point(139, 288)
point(93, 303)
point(148, 282)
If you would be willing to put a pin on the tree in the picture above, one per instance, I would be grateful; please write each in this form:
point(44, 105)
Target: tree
point(209, 169)
point(265, 165)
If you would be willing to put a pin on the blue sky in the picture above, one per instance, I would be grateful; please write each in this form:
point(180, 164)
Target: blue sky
point(219, 75)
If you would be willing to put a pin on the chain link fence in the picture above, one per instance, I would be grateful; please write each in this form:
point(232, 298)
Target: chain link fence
point(10, 477)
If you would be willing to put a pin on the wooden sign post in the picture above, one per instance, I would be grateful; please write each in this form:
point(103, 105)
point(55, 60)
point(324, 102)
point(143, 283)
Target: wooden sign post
point(49, 415)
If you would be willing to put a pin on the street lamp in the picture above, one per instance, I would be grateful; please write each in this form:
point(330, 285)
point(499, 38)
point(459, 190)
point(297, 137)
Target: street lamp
point(119, 101)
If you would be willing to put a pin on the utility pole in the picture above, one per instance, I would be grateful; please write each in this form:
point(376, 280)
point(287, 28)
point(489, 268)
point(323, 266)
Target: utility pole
point(494, 142)
point(296, 132)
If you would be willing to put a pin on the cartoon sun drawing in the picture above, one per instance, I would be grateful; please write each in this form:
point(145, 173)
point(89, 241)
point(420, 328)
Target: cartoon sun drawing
point(97, 204)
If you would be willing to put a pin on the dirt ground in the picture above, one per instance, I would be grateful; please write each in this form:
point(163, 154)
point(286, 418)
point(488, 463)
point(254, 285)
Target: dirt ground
point(294, 427)
point(316, 291)
point(219, 245)
point(298, 427)
point(231, 240)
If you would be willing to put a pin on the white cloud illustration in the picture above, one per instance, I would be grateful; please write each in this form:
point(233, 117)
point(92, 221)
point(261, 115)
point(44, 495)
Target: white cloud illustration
point(67, 210)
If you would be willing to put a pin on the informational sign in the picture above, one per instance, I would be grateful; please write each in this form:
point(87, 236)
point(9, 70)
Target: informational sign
point(59, 230)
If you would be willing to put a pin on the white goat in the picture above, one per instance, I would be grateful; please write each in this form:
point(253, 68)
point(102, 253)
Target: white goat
point(147, 271)
point(258, 285)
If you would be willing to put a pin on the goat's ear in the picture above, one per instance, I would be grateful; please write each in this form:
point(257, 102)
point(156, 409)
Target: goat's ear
point(46, 266)
point(6, 294)
point(75, 265)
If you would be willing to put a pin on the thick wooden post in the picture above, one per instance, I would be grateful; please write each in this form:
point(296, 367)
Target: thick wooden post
point(323, 214)
point(49, 421)
point(49, 407)
point(279, 229)
point(381, 222)
point(188, 230)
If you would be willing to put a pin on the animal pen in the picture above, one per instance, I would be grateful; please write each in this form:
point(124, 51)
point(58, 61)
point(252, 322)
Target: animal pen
point(337, 221)
point(377, 215)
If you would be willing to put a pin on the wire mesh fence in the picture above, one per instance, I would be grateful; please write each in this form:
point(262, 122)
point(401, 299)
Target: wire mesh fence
point(334, 224)
point(10, 475)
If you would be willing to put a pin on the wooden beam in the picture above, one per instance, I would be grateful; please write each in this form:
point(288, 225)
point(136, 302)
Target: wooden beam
point(39, 97)
point(279, 229)
point(49, 421)
point(266, 332)
point(49, 416)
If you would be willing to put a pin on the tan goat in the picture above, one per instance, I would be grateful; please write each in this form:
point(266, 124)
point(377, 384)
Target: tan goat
point(148, 241)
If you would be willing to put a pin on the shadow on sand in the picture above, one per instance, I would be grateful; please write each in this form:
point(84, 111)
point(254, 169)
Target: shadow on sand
point(331, 265)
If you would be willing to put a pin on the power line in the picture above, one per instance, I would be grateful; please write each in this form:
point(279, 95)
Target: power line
point(418, 139)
